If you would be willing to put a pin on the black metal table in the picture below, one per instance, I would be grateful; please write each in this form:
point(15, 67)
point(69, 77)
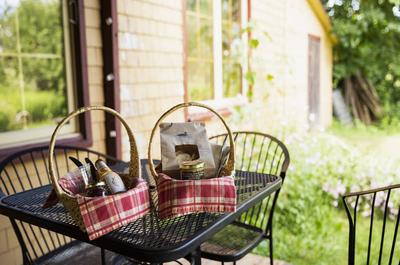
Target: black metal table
point(148, 239)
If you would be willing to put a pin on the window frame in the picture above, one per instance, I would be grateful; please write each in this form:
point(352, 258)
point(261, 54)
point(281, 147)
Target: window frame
point(314, 80)
point(83, 137)
point(218, 102)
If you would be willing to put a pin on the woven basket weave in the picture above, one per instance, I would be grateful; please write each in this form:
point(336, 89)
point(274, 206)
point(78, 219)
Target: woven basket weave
point(181, 197)
point(70, 202)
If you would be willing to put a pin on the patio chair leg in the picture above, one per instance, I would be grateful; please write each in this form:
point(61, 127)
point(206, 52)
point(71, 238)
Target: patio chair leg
point(195, 257)
point(271, 251)
point(103, 257)
point(25, 259)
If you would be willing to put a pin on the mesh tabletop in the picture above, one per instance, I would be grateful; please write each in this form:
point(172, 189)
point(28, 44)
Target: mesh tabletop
point(149, 238)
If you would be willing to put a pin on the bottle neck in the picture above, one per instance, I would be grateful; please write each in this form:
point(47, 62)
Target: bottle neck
point(102, 168)
point(102, 171)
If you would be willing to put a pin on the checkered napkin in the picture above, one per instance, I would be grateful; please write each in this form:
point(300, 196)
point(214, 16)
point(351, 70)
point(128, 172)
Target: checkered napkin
point(180, 197)
point(102, 215)
point(72, 182)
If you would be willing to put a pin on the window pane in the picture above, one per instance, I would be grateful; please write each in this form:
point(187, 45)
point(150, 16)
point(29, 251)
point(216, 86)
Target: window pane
point(206, 7)
point(232, 79)
point(45, 93)
point(10, 96)
point(7, 28)
point(191, 5)
point(226, 9)
point(193, 49)
point(200, 50)
point(231, 10)
point(200, 80)
point(42, 100)
point(231, 45)
point(205, 38)
point(41, 32)
point(33, 83)
point(236, 11)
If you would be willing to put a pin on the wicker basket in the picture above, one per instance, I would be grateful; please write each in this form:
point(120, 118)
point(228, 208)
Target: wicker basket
point(227, 170)
point(204, 195)
point(70, 202)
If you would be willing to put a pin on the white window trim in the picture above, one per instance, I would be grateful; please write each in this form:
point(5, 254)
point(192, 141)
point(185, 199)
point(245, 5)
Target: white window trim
point(245, 60)
point(217, 49)
point(219, 100)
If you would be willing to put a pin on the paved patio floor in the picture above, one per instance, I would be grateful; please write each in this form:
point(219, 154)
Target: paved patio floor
point(250, 259)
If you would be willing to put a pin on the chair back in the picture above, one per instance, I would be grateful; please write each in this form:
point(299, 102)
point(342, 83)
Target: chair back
point(373, 217)
point(29, 169)
point(263, 153)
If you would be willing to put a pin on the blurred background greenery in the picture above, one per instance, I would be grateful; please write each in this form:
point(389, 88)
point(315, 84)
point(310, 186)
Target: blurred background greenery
point(32, 68)
point(368, 42)
point(310, 224)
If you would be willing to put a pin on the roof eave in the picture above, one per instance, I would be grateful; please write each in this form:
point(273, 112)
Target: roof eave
point(323, 17)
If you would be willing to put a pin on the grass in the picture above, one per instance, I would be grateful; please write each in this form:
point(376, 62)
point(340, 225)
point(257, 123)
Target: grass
point(42, 107)
point(370, 139)
point(310, 225)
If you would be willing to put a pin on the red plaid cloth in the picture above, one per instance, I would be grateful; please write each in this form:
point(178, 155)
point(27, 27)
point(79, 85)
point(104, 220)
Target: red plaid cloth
point(180, 197)
point(102, 215)
point(72, 182)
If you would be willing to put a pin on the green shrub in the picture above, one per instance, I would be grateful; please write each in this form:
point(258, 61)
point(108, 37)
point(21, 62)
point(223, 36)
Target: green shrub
point(45, 105)
point(5, 121)
point(310, 225)
point(41, 107)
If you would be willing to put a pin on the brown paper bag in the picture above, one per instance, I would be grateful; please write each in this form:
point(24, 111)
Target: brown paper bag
point(182, 142)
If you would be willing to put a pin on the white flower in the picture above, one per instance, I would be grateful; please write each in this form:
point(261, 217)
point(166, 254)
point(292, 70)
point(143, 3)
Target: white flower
point(366, 213)
point(326, 187)
point(340, 169)
point(354, 188)
point(340, 188)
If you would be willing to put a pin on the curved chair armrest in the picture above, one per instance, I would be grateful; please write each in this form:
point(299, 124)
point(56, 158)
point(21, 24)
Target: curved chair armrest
point(370, 191)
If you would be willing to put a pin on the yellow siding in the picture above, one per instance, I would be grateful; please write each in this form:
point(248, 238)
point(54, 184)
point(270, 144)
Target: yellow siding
point(285, 56)
point(151, 64)
point(95, 71)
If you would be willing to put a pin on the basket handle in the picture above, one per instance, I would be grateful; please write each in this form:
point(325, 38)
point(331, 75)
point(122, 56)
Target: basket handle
point(230, 164)
point(134, 165)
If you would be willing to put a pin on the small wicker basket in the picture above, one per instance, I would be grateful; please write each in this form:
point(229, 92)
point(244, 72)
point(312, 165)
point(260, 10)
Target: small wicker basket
point(70, 202)
point(227, 170)
point(181, 197)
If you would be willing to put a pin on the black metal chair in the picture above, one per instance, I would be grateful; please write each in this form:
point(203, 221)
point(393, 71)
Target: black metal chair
point(255, 152)
point(29, 169)
point(377, 214)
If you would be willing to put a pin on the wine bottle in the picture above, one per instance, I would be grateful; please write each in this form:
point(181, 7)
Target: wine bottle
point(112, 179)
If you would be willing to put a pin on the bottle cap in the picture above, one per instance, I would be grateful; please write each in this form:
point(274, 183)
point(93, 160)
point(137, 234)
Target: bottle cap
point(192, 165)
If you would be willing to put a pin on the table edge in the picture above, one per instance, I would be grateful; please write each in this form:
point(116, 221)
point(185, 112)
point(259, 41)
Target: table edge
point(153, 255)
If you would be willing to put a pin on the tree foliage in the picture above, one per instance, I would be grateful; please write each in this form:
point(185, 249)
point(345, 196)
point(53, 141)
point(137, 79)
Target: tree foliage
point(368, 33)
point(32, 91)
point(40, 32)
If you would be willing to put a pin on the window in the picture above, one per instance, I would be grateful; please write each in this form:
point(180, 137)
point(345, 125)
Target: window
point(38, 85)
point(313, 80)
point(215, 49)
